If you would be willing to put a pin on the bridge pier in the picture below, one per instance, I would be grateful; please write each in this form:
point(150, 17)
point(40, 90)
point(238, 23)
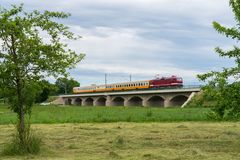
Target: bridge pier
point(108, 101)
point(145, 102)
point(167, 103)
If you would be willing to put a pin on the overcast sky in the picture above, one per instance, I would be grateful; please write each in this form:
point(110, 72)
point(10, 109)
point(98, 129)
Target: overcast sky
point(142, 37)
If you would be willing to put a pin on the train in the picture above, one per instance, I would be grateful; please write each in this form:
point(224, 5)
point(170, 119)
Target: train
point(163, 82)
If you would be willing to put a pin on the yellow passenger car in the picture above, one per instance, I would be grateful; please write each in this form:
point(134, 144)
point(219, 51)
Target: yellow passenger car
point(112, 87)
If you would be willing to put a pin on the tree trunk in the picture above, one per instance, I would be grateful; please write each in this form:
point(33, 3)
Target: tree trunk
point(19, 85)
point(21, 125)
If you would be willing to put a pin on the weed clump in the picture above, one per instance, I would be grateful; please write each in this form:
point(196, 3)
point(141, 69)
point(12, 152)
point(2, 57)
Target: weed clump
point(120, 140)
point(114, 155)
point(31, 146)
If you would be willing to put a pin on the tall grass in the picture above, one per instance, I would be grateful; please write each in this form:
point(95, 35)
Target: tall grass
point(74, 114)
point(30, 144)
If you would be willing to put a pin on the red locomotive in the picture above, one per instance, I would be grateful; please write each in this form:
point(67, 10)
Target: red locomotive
point(172, 81)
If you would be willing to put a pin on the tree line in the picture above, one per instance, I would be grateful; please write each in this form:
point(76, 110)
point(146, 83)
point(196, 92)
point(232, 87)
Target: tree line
point(61, 86)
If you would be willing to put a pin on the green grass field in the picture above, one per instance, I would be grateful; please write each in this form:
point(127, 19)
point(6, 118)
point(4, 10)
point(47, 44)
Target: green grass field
point(134, 141)
point(73, 114)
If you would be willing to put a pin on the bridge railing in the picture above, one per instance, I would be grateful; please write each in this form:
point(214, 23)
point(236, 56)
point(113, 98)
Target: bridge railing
point(192, 86)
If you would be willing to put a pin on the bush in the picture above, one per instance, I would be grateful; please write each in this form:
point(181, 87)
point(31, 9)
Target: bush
point(31, 145)
point(16, 148)
point(202, 99)
point(226, 96)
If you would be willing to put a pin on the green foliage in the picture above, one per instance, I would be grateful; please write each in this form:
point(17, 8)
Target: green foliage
point(47, 89)
point(223, 90)
point(202, 100)
point(65, 85)
point(227, 97)
point(25, 58)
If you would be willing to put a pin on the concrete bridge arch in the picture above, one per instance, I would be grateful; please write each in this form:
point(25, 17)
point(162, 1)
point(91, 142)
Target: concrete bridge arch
point(101, 101)
point(134, 101)
point(178, 100)
point(118, 101)
point(68, 101)
point(78, 101)
point(155, 101)
point(88, 101)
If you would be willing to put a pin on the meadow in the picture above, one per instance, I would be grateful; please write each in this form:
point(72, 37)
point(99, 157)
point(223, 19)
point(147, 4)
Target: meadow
point(134, 141)
point(73, 114)
point(128, 133)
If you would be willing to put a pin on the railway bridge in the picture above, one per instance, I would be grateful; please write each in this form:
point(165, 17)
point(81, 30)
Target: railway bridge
point(157, 98)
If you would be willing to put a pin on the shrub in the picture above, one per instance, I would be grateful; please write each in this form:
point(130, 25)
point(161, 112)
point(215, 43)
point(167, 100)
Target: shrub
point(31, 145)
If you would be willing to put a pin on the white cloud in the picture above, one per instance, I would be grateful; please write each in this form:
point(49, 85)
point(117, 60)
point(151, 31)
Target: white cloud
point(114, 43)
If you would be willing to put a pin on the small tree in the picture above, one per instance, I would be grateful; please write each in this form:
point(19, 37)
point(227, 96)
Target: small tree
point(224, 90)
point(26, 58)
point(46, 89)
point(65, 86)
